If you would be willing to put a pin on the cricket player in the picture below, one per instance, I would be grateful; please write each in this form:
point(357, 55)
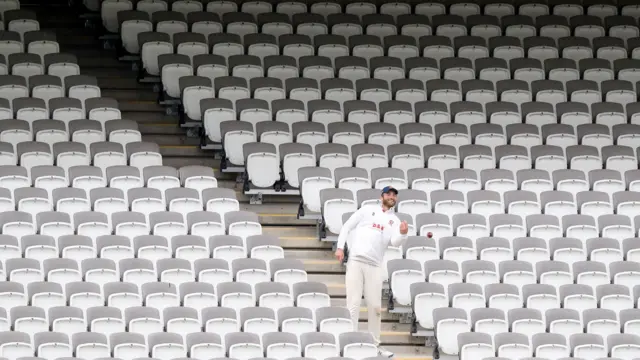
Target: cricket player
point(373, 229)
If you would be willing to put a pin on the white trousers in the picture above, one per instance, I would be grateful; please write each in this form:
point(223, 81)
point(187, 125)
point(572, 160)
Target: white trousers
point(365, 279)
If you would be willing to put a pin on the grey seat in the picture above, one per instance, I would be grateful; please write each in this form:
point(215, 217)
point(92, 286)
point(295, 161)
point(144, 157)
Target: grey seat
point(312, 343)
point(440, 157)
point(142, 154)
point(617, 342)
point(197, 177)
point(296, 320)
point(21, 313)
point(290, 271)
point(158, 289)
point(494, 249)
point(607, 294)
point(449, 202)
point(142, 265)
point(544, 343)
point(166, 339)
point(434, 269)
point(522, 272)
point(13, 43)
point(249, 269)
point(189, 247)
point(587, 343)
point(86, 132)
point(213, 315)
point(443, 316)
point(566, 69)
point(333, 318)
point(25, 65)
point(473, 292)
point(264, 247)
point(626, 316)
point(349, 340)
point(587, 271)
point(618, 158)
point(48, 340)
point(132, 342)
point(475, 339)
point(527, 69)
point(9, 337)
point(30, 109)
point(509, 226)
point(437, 224)
point(122, 131)
point(624, 134)
point(491, 69)
point(34, 153)
point(381, 177)
point(600, 317)
point(554, 273)
point(510, 340)
point(198, 343)
point(180, 318)
point(515, 91)
point(273, 295)
point(183, 200)
point(83, 340)
point(485, 319)
point(249, 342)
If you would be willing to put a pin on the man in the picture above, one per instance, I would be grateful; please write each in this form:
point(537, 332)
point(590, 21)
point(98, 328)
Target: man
point(374, 228)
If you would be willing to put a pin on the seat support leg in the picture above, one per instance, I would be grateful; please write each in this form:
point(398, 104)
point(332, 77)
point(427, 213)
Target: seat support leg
point(256, 199)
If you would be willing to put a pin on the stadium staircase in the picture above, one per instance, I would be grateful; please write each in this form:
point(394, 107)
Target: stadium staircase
point(138, 102)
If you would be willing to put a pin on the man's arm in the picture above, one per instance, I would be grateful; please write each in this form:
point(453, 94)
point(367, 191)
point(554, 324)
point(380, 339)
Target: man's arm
point(398, 238)
point(347, 227)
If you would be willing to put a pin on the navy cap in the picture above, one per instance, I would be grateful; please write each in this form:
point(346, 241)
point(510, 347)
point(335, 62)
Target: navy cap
point(388, 189)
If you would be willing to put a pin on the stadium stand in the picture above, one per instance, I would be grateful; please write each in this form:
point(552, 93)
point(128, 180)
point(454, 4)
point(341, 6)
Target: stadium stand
point(173, 174)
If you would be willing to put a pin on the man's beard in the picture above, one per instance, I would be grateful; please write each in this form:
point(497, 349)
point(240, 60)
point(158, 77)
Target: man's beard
point(389, 203)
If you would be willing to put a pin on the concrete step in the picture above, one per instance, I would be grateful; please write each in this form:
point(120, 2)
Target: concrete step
point(284, 218)
point(131, 95)
point(316, 260)
point(290, 201)
point(386, 315)
point(175, 140)
point(394, 333)
point(180, 161)
point(123, 78)
point(91, 58)
point(280, 209)
point(183, 150)
point(43, 4)
point(147, 107)
point(155, 117)
point(71, 38)
point(123, 83)
point(410, 352)
point(113, 73)
point(335, 283)
point(297, 237)
point(279, 199)
point(89, 53)
point(150, 128)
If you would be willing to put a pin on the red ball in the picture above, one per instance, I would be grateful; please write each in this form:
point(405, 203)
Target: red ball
point(429, 235)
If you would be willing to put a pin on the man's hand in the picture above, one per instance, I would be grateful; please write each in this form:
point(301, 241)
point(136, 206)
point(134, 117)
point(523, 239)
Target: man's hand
point(404, 228)
point(340, 255)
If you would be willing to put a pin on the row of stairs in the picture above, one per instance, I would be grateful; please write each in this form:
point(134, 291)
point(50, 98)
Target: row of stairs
point(77, 34)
